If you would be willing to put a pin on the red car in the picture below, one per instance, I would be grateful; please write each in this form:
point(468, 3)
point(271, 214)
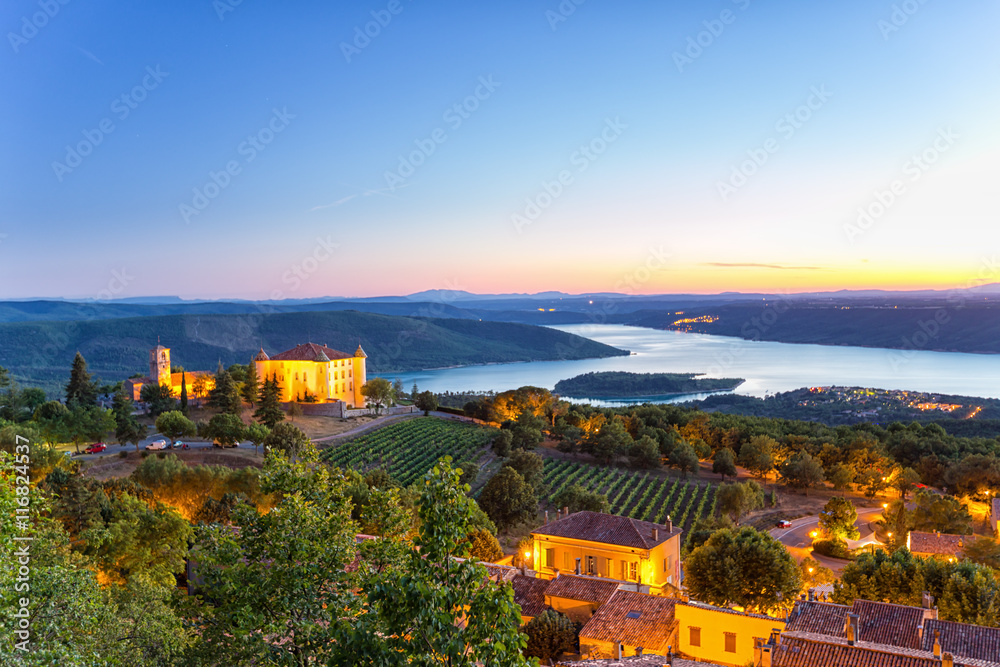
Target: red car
point(95, 448)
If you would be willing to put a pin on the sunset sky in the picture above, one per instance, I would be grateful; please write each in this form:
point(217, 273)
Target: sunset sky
point(366, 180)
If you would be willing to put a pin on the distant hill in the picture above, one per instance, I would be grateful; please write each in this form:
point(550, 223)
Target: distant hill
point(40, 353)
point(617, 384)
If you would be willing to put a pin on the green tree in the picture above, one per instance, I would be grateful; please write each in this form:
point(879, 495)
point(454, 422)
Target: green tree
point(426, 401)
point(158, 398)
point(288, 439)
point(277, 585)
point(225, 429)
point(436, 610)
point(397, 389)
point(550, 634)
point(645, 453)
point(739, 498)
point(579, 499)
point(946, 514)
point(502, 443)
point(530, 465)
point(971, 595)
point(802, 471)
point(174, 425)
point(87, 424)
point(81, 389)
point(815, 575)
point(703, 528)
point(251, 385)
point(184, 393)
point(268, 410)
point(257, 434)
point(905, 480)
point(484, 546)
point(837, 519)
point(983, 551)
point(507, 499)
point(51, 420)
point(225, 396)
point(684, 458)
point(757, 456)
point(724, 463)
point(609, 442)
point(745, 567)
point(841, 477)
point(378, 392)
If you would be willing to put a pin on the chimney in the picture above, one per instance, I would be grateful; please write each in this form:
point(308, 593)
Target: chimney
point(618, 650)
point(947, 660)
point(669, 525)
point(638, 650)
point(656, 534)
point(565, 511)
point(937, 643)
point(577, 566)
point(852, 629)
point(546, 517)
point(812, 594)
point(762, 655)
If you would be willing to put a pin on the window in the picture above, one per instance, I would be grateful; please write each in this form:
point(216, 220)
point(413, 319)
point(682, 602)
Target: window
point(550, 558)
point(730, 642)
point(566, 564)
point(758, 642)
point(296, 376)
point(634, 614)
point(590, 565)
point(664, 564)
point(304, 379)
point(695, 637)
point(633, 570)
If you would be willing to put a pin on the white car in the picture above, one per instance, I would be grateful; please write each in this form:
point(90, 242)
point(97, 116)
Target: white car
point(159, 444)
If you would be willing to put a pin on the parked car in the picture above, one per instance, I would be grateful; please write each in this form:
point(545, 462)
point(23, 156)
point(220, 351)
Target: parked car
point(784, 523)
point(95, 448)
point(159, 444)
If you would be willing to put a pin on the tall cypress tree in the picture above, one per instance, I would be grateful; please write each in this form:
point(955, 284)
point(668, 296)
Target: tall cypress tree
point(225, 397)
point(251, 388)
point(184, 393)
point(81, 389)
point(269, 409)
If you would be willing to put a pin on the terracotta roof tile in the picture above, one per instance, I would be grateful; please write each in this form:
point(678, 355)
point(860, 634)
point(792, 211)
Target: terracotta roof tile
point(501, 572)
point(822, 618)
point(583, 588)
point(884, 623)
point(608, 529)
point(635, 661)
point(634, 619)
point(309, 352)
point(529, 593)
point(963, 639)
point(802, 650)
point(724, 610)
point(942, 544)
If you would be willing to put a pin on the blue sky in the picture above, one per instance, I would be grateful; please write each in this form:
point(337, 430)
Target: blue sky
point(313, 212)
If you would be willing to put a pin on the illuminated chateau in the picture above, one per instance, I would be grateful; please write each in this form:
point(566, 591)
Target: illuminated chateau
point(199, 383)
point(317, 371)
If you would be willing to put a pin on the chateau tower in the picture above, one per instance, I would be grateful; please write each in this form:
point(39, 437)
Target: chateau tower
point(359, 376)
point(159, 365)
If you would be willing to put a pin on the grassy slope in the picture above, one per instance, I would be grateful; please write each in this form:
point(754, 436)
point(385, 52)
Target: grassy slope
point(41, 352)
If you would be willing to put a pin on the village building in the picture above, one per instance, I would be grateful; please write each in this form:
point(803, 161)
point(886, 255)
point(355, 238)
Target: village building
point(628, 624)
point(199, 383)
point(938, 545)
point(316, 373)
point(642, 553)
point(723, 636)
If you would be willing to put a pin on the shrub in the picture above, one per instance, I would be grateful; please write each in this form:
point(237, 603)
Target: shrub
point(123, 455)
point(833, 549)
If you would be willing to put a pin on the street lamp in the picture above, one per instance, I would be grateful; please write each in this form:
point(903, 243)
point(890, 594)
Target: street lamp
point(814, 534)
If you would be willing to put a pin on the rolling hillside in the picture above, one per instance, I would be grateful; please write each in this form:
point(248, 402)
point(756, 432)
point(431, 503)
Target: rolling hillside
point(40, 353)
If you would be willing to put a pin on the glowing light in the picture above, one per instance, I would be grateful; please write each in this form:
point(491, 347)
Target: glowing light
point(814, 534)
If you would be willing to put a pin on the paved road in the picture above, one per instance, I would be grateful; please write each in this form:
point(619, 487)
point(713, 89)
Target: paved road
point(113, 449)
point(798, 538)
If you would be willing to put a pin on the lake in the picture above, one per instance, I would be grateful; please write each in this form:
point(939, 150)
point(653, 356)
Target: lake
point(767, 367)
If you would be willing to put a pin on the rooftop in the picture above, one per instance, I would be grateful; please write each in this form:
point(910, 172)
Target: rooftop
point(529, 594)
point(633, 619)
point(963, 639)
point(309, 352)
point(583, 588)
point(942, 544)
point(608, 529)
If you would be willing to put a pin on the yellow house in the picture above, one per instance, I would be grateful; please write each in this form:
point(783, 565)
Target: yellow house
point(630, 624)
point(316, 370)
point(722, 636)
point(611, 546)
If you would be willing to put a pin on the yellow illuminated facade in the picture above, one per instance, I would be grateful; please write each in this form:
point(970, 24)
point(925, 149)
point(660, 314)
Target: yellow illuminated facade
point(721, 636)
point(317, 371)
point(199, 383)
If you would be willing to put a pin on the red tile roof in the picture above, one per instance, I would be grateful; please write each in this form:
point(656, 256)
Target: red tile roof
point(746, 614)
point(942, 544)
point(963, 640)
point(819, 651)
point(885, 623)
point(501, 572)
point(608, 529)
point(822, 618)
point(529, 593)
point(583, 588)
point(309, 352)
point(634, 619)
